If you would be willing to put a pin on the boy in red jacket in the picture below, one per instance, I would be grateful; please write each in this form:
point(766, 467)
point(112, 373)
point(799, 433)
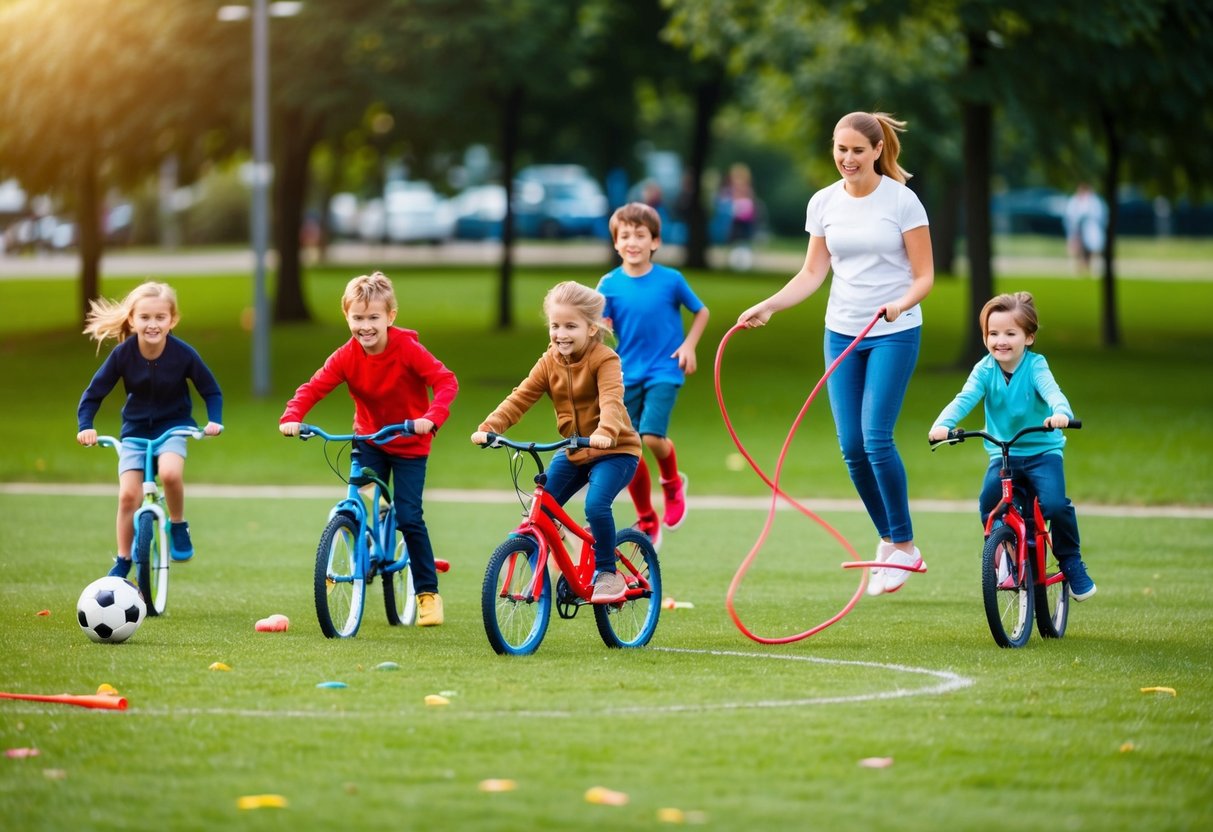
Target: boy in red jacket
point(389, 375)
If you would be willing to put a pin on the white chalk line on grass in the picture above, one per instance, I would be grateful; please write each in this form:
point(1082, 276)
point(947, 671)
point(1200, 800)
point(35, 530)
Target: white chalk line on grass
point(947, 683)
point(707, 502)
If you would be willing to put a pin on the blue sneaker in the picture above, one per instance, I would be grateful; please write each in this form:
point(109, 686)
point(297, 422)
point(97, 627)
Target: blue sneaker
point(180, 546)
point(120, 569)
point(1081, 585)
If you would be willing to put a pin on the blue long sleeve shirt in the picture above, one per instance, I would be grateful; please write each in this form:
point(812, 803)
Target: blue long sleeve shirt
point(1030, 397)
point(157, 392)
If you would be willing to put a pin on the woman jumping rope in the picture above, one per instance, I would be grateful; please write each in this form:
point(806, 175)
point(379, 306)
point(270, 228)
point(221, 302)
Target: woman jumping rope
point(872, 232)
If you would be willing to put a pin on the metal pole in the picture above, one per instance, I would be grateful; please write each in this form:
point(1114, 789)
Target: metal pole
point(260, 216)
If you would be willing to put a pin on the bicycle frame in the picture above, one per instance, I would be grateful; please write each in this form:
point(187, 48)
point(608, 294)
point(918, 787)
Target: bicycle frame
point(152, 577)
point(1008, 513)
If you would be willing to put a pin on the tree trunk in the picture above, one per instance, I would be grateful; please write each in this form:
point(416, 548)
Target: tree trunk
point(297, 136)
point(1111, 184)
point(511, 107)
point(707, 100)
point(88, 212)
point(978, 120)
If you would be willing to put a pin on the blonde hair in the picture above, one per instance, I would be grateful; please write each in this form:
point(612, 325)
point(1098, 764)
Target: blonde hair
point(1019, 304)
point(112, 319)
point(585, 300)
point(366, 289)
point(877, 128)
point(636, 213)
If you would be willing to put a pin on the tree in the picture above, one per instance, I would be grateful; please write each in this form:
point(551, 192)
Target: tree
point(96, 94)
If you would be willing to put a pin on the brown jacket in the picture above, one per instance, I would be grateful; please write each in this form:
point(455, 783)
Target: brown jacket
point(587, 394)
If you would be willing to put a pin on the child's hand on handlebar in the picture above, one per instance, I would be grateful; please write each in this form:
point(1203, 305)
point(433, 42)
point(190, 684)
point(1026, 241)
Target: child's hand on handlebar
point(938, 434)
point(422, 426)
point(213, 429)
point(289, 428)
point(480, 438)
point(601, 442)
point(1058, 421)
point(87, 437)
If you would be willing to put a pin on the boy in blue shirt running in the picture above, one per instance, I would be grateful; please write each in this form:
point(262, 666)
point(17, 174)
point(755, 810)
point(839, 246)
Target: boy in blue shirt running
point(644, 302)
point(1019, 391)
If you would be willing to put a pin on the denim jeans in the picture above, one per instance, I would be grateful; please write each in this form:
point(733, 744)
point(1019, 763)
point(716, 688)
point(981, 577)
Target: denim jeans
point(407, 474)
point(1045, 475)
point(866, 393)
point(607, 476)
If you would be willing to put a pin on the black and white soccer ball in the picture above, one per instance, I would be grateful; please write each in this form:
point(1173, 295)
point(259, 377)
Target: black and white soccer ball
point(110, 609)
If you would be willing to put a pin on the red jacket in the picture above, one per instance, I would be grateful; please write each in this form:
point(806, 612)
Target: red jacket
point(386, 388)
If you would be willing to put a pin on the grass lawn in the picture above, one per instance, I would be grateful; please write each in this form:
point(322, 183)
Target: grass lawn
point(734, 734)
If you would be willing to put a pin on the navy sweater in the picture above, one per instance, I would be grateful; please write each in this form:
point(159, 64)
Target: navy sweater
point(157, 395)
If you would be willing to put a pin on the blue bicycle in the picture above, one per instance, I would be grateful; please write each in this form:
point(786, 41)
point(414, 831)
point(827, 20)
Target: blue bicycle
point(359, 543)
point(150, 551)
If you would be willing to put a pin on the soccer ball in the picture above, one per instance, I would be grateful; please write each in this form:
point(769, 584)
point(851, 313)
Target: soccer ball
point(110, 609)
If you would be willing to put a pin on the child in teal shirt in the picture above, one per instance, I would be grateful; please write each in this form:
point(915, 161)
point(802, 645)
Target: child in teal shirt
point(1019, 390)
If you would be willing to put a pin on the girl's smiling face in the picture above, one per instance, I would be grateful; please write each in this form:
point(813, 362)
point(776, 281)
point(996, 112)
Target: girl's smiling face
point(151, 321)
point(854, 156)
point(569, 330)
point(369, 323)
point(1006, 340)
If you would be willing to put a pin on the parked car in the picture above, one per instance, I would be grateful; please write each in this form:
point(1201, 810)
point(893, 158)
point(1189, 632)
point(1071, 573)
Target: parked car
point(1029, 211)
point(552, 201)
point(479, 212)
point(409, 212)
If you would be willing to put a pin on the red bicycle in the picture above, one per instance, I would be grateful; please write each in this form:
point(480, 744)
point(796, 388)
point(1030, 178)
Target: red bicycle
point(516, 599)
point(1016, 584)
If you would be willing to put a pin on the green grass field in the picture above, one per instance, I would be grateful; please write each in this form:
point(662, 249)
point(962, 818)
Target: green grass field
point(734, 734)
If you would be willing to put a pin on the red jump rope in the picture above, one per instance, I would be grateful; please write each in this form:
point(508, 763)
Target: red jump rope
point(777, 493)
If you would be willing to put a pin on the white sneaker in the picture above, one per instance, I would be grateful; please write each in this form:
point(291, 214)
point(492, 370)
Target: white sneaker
point(876, 576)
point(895, 578)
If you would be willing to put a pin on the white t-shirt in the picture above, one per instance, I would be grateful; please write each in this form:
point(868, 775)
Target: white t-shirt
point(867, 253)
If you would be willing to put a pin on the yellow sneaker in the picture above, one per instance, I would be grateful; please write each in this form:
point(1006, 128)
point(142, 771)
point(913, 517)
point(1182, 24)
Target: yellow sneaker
point(429, 609)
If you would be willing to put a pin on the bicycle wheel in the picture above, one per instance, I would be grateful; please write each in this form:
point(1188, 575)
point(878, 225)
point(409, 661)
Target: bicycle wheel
point(515, 621)
point(632, 623)
point(1053, 605)
point(339, 589)
point(1007, 595)
point(151, 564)
point(399, 597)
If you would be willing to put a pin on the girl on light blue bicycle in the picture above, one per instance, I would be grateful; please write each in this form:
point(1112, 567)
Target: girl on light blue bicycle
point(154, 367)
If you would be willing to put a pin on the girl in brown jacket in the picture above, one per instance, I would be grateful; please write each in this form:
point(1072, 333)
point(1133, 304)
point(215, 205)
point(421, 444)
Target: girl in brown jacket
point(582, 377)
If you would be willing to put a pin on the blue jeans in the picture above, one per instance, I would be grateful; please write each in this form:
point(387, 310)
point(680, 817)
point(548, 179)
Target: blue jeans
point(1045, 475)
point(408, 475)
point(866, 393)
point(607, 476)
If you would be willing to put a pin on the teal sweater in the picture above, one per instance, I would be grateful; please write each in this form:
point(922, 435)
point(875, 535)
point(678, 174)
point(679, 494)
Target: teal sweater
point(1030, 397)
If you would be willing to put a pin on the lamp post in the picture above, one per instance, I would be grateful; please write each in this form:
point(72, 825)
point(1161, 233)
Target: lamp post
point(260, 12)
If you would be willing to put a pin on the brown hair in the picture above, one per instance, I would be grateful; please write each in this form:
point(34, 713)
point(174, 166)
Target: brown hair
point(582, 298)
point(636, 213)
point(366, 289)
point(877, 128)
point(1019, 304)
point(110, 319)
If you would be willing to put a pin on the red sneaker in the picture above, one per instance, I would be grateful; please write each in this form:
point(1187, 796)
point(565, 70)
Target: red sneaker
point(675, 501)
point(651, 527)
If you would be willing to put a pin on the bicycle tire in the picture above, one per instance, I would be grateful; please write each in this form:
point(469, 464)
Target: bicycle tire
point(151, 564)
point(632, 622)
point(339, 590)
point(515, 623)
point(399, 596)
point(1052, 606)
point(1009, 609)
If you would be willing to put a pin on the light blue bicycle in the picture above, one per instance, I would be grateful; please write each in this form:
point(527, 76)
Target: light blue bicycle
point(150, 552)
point(357, 544)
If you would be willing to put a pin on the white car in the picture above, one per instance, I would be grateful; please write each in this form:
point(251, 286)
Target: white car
point(412, 213)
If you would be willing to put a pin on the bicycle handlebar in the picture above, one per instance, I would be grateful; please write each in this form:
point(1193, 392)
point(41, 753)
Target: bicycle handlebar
point(496, 440)
point(106, 441)
point(958, 435)
point(404, 428)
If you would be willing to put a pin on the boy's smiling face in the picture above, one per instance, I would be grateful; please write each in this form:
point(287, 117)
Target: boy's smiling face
point(369, 324)
point(635, 245)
